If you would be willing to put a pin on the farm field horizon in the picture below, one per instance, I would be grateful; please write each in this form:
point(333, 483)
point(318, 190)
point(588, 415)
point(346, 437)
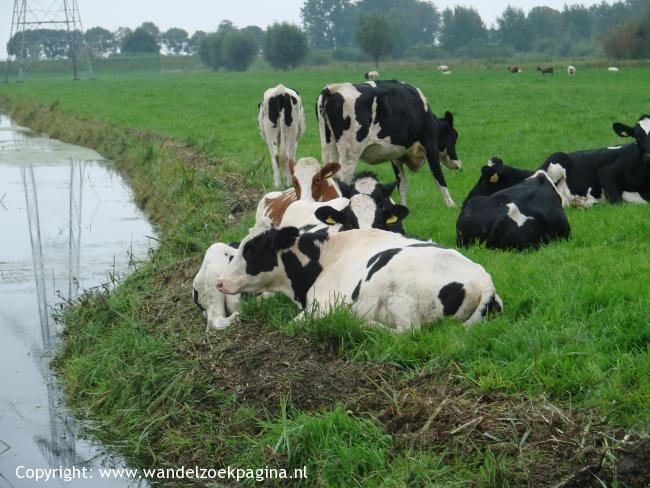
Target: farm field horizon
point(575, 330)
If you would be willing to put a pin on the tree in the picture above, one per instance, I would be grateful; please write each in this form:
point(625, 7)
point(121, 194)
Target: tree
point(257, 32)
point(226, 26)
point(374, 35)
point(238, 50)
point(285, 45)
point(195, 41)
point(151, 28)
point(578, 21)
point(461, 27)
point(175, 40)
point(544, 23)
point(210, 50)
point(513, 28)
point(327, 22)
point(140, 41)
point(100, 40)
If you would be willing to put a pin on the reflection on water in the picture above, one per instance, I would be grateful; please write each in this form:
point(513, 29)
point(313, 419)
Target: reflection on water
point(66, 221)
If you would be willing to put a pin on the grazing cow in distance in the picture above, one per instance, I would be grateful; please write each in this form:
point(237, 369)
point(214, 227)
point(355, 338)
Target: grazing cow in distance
point(311, 183)
point(514, 69)
point(384, 277)
point(381, 121)
point(612, 69)
point(525, 215)
point(546, 70)
point(220, 310)
point(281, 121)
point(371, 75)
point(443, 68)
point(571, 70)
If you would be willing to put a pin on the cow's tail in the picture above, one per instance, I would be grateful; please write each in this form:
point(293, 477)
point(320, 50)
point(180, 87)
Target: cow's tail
point(489, 303)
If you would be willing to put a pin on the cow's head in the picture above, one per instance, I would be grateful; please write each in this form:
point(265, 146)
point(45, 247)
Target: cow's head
point(311, 181)
point(640, 132)
point(368, 183)
point(257, 265)
point(364, 212)
point(495, 176)
point(447, 139)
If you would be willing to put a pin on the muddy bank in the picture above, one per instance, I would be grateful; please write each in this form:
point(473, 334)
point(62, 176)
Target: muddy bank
point(183, 383)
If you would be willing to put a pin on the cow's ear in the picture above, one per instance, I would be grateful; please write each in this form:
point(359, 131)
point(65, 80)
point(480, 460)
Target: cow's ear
point(496, 161)
point(388, 188)
point(284, 238)
point(329, 170)
point(329, 215)
point(395, 214)
point(622, 129)
point(449, 118)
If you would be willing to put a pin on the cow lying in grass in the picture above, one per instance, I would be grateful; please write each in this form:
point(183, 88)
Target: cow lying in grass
point(385, 278)
point(524, 215)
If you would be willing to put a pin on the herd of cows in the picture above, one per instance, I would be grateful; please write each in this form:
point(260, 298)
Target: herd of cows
point(336, 238)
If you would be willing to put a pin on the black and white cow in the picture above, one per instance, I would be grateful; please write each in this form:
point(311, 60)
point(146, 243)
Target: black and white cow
point(527, 214)
point(612, 174)
point(379, 121)
point(385, 278)
point(281, 121)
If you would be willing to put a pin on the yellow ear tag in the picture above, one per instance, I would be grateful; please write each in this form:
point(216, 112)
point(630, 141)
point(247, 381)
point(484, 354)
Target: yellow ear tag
point(494, 178)
point(391, 220)
point(330, 221)
point(329, 173)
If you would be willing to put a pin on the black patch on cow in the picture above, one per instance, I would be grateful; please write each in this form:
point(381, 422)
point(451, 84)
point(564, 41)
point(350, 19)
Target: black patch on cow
point(332, 106)
point(280, 103)
point(259, 254)
point(301, 277)
point(355, 292)
point(451, 296)
point(195, 295)
point(426, 244)
point(380, 260)
point(234, 245)
point(230, 257)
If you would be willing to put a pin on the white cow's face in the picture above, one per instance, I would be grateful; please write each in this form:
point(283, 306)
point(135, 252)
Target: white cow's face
point(257, 266)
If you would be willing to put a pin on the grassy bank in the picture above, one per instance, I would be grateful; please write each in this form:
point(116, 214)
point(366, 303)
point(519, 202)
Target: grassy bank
point(563, 368)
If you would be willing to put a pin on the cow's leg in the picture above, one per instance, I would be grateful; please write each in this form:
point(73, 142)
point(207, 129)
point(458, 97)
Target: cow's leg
point(275, 163)
point(433, 157)
point(607, 177)
point(402, 181)
point(348, 159)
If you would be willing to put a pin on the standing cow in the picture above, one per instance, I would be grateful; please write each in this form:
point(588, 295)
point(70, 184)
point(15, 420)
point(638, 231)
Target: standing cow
point(281, 121)
point(381, 121)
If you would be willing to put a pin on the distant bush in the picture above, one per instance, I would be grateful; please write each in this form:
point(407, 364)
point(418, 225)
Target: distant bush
point(238, 50)
point(319, 57)
point(285, 46)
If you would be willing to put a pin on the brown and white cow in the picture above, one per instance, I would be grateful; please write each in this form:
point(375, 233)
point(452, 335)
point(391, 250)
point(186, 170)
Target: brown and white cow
point(311, 183)
point(281, 121)
point(384, 277)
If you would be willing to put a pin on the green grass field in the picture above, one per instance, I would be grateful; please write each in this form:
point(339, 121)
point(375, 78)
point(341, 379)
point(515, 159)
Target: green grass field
point(576, 325)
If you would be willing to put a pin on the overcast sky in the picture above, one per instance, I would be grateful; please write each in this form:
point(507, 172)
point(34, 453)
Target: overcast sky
point(205, 15)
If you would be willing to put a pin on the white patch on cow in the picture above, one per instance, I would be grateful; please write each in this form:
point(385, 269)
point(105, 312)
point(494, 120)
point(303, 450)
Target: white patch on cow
point(300, 214)
point(515, 214)
point(557, 175)
point(612, 69)
point(425, 103)
point(220, 310)
point(372, 84)
point(645, 125)
point(446, 196)
point(366, 185)
point(364, 207)
point(447, 161)
point(614, 147)
point(490, 163)
point(633, 197)
point(304, 172)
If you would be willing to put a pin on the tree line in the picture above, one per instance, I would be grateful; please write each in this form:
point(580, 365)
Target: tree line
point(358, 30)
